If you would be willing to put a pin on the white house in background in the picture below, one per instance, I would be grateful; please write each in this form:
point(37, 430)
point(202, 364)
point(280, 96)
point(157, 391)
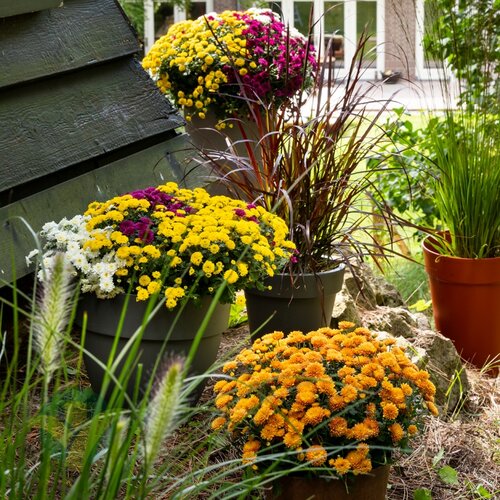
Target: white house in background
point(395, 26)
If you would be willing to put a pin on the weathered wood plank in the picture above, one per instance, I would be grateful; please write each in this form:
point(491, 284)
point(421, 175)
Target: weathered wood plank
point(14, 8)
point(78, 34)
point(50, 125)
point(169, 160)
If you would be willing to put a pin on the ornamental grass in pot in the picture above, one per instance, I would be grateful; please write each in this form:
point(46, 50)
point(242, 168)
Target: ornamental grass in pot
point(178, 249)
point(463, 258)
point(323, 410)
point(463, 261)
point(308, 167)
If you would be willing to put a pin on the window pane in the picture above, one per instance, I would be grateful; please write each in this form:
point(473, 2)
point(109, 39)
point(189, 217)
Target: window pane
point(301, 12)
point(367, 21)
point(334, 30)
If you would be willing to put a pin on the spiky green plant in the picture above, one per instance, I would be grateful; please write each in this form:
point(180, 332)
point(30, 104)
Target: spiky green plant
point(465, 148)
point(307, 163)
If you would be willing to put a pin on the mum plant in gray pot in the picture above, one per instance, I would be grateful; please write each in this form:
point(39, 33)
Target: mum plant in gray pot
point(308, 167)
point(184, 250)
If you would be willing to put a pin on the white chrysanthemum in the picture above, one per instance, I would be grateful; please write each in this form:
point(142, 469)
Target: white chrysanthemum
point(29, 257)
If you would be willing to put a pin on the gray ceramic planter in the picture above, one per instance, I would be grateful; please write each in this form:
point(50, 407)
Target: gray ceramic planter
point(104, 316)
point(304, 303)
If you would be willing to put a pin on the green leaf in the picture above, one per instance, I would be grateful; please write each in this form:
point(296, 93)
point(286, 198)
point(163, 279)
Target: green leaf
point(480, 491)
point(422, 494)
point(438, 457)
point(448, 475)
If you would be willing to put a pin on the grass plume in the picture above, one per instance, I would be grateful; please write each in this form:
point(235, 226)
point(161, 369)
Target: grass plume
point(163, 409)
point(52, 313)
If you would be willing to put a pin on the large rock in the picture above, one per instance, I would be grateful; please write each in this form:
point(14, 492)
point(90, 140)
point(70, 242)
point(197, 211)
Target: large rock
point(398, 321)
point(344, 309)
point(446, 368)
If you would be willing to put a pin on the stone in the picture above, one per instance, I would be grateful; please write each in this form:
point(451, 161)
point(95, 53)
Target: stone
point(369, 290)
point(344, 309)
point(446, 368)
point(361, 291)
point(386, 294)
point(397, 321)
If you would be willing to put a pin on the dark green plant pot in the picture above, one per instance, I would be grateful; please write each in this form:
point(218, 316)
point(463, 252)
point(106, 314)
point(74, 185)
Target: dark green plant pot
point(103, 319)
point(304, 302)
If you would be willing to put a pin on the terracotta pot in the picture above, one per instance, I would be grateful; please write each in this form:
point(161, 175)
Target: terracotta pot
point(466, 302)
point(303, 303)
point(104, 316)
point(371, 486)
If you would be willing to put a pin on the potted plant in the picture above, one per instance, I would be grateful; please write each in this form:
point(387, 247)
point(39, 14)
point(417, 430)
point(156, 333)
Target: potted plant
point(207, 66)
point(463, 258)
point(325, 409)
point(389, 76)
point(463, 261)
point(308, 167)
point(178, 246)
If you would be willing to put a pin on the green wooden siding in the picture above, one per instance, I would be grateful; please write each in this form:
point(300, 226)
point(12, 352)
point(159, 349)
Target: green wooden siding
point(163, 162)
point(16, 7)
point(56, 123)
point(79, 34)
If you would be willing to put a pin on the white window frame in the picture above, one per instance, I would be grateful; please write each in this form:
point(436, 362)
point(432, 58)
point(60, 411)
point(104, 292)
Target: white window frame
point(350, 36)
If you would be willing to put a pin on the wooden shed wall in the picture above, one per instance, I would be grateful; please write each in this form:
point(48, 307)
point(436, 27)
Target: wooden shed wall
point(79, 119)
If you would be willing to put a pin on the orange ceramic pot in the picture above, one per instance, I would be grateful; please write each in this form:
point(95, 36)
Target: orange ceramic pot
point(466, 302)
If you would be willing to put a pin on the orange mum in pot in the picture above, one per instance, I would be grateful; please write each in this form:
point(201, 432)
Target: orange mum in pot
point(335, 400)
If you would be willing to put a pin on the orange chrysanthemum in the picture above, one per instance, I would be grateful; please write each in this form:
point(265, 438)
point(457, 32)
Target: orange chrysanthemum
point(335, 387)
point(316, 455)
point(390, 411)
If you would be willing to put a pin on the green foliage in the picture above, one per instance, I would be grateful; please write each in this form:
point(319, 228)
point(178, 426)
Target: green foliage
point(467, 187)
point(135, 13)
point(446, 175)
point(134, 9)
point(410, 278)
point(479, 491)
point(63, 441)
point(238, 315)
point(404, 166)
point(466, 35)
point(422, 494)
point(448, 475)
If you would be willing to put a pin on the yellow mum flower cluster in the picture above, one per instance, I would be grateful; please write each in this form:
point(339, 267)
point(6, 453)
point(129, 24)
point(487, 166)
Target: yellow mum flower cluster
point(340, 399)
point(215, 60)
point(183, 243)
